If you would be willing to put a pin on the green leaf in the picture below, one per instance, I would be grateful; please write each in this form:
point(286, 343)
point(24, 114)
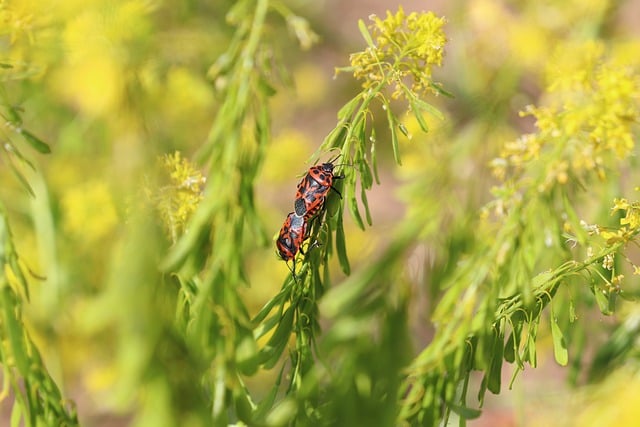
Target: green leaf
point(21, 178)
point(602, 299)
point(366, 179)
point(35, 142)
point(510, 349)
point(341, 248)
point(347, 109)
point(267, 402)
point(352, 203)
point(559, 344)
point(14, 330)
point(283, 413)
point(611, 302)
point(266, 309)
point(394, 135)
point(374, 157)
point(12, 149)
point(531, 347)
point(365, 33)
point(421, 121)
point(365, 203)
point(420, 105)
point(271, 353)
point(494, 379)
point(404, 130)
point(464, 411)
point(17, 271)
point(441, 90)
point(243, 405)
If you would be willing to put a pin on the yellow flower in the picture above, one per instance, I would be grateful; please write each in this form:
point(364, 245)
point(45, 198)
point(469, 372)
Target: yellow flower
point(592, 102)
point(403, 48)
point(177, 199)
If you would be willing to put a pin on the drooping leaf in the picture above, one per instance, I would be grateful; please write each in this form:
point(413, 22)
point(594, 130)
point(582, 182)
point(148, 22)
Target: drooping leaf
point(559, 345)
point(365, 33)
point(341, 248)
point(35, 142)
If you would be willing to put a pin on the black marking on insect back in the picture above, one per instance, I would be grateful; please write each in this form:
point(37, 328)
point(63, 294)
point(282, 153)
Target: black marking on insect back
point(300, 207)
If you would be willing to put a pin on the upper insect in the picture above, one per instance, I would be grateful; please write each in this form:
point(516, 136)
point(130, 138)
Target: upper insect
point(313, 189)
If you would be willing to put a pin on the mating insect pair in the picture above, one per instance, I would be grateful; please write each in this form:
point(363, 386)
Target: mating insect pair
point(310, 200)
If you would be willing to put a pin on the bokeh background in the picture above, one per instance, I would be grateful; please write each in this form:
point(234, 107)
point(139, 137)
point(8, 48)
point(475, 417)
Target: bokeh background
point(113, 86)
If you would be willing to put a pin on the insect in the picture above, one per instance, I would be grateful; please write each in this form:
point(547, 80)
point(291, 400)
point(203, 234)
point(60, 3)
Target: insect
point(313, 189)
point(291, 236)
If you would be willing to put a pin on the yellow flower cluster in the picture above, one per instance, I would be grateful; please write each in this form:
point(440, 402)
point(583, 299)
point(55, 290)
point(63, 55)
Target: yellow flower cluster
point(177, 200)
point(629, 224)
point(592, 103)
point(402, 47)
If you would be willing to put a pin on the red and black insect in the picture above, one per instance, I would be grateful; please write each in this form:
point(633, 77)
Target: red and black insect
point(291, 236)
point(313, 189)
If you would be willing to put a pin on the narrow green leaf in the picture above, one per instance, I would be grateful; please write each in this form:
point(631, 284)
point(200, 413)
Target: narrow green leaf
point(355, 213)
point(283, 413)
point(602, 299)
point(365, 33)
point(266, 309)
point(627, 296)
point(516, 371)
point(441, 90)
point(404, 130)
point(374, 157)
point(482, 390)
point(12, 149)
point(271, 353)
point(559, 344)
point(14, 330)
point(21, 178)
point(365, 203)
point(347, 109)
point(494, 379)
point(419, 104)
point(35, 142)
point(366, 179)
point(421, 121)
point(531, 355)
point(335, 138)
point(394, 136)
point(341, 248)
point(17, 271)
point(464, 411)
point(611, 302)
point(243, 405)
point(510, 349)
point(267, 402)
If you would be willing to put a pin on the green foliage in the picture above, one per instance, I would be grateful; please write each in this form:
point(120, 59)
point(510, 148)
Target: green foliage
point(479, 270)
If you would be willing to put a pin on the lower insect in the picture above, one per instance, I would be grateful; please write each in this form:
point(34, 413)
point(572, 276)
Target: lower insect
point(290, 239)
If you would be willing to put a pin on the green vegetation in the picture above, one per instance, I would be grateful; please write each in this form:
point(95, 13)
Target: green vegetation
point(145, 150)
